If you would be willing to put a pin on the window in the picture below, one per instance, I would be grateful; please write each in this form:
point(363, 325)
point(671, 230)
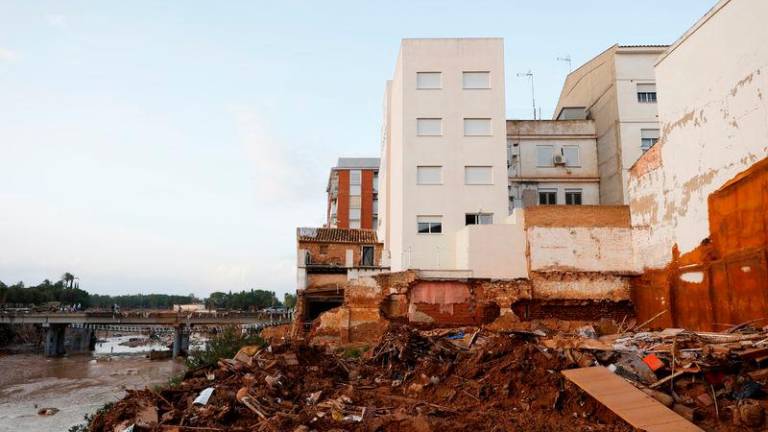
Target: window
point(478, 218)
point(354, 190)
point(323, 249)
point(477, 127)
point(646, 93)
point(573, 196)
point(572, 113)
point(354, 224)
point(547, 196)
point(429, 224)
point(355, 176)
point(354, 214)
point(571, 155)
point(375, 206)
point(476, 80)
point(648, 137)
point(429, 127)
point(478, 175)
point(544, 155)
point(375, 222)
point(354, 202)
point(428, 80)
point(429, 175)
point(375, 182)
point(367, 256)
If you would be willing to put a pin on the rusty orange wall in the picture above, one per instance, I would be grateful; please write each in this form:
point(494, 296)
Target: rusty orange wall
point(731, 262)
point(577, 216)
point(366, 200)
point(342, 203)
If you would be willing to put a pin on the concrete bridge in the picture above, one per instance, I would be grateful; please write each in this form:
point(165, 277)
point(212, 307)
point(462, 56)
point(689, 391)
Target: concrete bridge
point(182, 323)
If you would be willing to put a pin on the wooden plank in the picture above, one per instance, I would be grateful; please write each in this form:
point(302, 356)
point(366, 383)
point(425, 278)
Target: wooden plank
point(635, 407)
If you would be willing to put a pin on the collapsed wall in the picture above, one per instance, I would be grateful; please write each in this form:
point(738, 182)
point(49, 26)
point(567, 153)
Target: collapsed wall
point(576, 265)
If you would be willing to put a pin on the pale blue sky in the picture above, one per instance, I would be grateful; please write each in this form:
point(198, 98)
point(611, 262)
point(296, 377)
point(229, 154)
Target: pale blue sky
point(174, 146)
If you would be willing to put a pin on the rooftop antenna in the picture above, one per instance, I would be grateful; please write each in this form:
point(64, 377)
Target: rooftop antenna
point(566, 59)
point(529, 74)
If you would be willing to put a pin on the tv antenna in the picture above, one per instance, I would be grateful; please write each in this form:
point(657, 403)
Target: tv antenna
point(566, 59)
point(529, 74)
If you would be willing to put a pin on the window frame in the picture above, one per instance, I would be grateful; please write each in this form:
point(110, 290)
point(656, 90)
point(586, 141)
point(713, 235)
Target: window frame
point(551, 162)
point(440, 132)
point(464, 81)
point(574, 192)
point(553, 192)
point(490, 177)
point(478, 219)
point(439, 181)
point(578, 155)
point(490, 127)
point(434, 226)
point(439, 80)
point(363, 248)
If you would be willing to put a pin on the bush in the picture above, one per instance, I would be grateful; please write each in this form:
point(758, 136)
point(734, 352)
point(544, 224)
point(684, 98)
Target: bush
point(223, 345)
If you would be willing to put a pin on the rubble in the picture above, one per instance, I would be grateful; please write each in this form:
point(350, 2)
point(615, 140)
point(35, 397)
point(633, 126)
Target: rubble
point(464, 378)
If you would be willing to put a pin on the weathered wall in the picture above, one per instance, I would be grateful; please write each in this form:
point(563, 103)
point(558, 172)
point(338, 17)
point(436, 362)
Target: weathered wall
point(713, 128)
point(579, 238)
point(579, 252)
point(335, 253)
point(592, 249)
point(565, 285)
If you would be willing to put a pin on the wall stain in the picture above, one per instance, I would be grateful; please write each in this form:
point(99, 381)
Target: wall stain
point(738, 239)
point(742, 82)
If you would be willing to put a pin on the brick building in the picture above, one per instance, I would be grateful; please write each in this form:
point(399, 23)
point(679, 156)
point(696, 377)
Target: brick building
point(326, 259)
point(353, 188)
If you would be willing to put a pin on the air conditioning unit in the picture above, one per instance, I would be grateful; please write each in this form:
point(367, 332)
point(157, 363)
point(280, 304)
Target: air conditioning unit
point(558, 159)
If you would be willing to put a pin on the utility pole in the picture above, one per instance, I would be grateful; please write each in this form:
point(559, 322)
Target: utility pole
point(566, 59)
point(529, 74)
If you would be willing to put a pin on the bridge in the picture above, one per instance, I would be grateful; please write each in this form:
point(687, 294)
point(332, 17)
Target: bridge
point(183, 323)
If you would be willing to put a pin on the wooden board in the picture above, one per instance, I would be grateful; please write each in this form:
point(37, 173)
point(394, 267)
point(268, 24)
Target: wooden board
point(635, 407)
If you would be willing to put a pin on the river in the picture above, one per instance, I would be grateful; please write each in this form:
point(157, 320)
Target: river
point(76, 385)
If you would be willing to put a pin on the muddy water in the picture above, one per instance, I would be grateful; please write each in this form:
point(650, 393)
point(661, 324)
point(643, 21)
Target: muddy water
point(76, 385)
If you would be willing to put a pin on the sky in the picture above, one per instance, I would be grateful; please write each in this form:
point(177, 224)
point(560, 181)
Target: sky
point(174, 147)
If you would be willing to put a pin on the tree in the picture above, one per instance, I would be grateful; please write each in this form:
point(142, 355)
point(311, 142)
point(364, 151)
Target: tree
point(289, 300)
point(69, 279)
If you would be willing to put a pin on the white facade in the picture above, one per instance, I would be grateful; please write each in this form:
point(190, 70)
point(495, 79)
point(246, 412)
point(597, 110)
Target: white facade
point(714, 120)
point(617, 89)
point(552, 162)
point(443, 108)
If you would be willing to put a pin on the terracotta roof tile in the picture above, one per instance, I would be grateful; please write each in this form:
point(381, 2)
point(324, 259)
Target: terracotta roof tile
point(336, 235)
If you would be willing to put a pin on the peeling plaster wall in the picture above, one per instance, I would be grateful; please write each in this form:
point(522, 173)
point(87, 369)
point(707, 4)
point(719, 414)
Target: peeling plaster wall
point(714, 121)
point(580, 249)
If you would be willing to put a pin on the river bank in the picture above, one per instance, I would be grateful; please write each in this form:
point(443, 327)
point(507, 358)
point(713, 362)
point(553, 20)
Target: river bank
point(76, 385)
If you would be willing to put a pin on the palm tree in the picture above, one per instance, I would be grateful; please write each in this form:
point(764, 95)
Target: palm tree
point(68, 279)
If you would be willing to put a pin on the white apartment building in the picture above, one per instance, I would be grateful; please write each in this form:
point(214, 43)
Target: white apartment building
point(443, 161)
point(616, 89)
point(552, 162)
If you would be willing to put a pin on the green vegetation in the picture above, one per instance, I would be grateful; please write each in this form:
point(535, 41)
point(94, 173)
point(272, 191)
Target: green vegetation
point(289, 300)
point(243, 300)
point(223, 345)
point(63, 291)
point(67, 292)
point(142, 301)
point(83, 427)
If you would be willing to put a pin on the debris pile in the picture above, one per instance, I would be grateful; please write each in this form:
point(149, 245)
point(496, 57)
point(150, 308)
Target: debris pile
point(463, 379)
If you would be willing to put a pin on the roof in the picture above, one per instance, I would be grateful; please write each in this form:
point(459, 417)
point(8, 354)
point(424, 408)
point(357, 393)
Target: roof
point(336, 235)
point(645, 46)
point(366, 163)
